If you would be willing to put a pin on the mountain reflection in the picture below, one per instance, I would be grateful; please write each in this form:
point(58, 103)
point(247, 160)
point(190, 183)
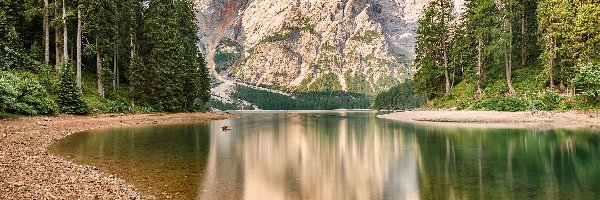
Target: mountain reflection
point(357, 156)
point(311, 156)
point(342, 155)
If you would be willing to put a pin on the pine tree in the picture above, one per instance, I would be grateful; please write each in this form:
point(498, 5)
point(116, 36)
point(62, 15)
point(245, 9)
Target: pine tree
point(432, 48)
point(69, 97)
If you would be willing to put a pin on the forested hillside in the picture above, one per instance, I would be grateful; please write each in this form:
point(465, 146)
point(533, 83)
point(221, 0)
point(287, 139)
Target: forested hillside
point(510, 54)
point(68, 56)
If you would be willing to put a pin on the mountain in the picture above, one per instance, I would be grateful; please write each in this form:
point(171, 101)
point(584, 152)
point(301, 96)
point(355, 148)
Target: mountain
point(308, 45)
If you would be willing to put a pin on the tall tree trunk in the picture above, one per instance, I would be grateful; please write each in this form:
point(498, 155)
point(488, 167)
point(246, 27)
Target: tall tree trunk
point(479, 66)
point(552, 48)
point(508, 72)
point(65, 39)
point(46, 36)
point(131, 66)
point(446, 69)
point(523, 38)
point(79, 48)
point(57, 40)
point(114, 78)
point(99, 71)
point(508, 54)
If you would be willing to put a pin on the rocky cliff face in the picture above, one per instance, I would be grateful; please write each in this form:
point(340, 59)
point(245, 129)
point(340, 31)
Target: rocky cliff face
point(311, 45)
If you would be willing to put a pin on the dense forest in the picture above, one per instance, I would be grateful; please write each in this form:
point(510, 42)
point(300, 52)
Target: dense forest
point(298, 101)
point(510, 54)
point(73, 56)
point(399, 97)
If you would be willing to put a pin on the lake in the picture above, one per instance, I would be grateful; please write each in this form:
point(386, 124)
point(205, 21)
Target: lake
point(342, 155)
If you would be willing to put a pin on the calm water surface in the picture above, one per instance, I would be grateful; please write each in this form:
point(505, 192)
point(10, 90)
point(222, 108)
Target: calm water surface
point(342, 155)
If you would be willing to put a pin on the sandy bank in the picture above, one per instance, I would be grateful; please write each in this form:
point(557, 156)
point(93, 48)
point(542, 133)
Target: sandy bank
point(28, 171)
point(495, 119)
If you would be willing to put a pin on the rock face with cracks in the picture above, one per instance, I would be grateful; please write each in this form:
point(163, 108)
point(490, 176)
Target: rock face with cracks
point(309, 45)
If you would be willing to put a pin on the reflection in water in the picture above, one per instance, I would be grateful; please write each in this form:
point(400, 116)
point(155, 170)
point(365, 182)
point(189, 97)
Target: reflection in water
point(343, 155)
point(308, 156)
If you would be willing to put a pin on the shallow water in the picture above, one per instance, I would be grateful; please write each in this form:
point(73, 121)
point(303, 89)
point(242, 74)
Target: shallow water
point(342, 155)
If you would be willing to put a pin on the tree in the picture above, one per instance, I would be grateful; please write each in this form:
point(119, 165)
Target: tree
point(56, 23)
point(506, 9)
point(69, 97)
point(170, 57)
point(432, 47)
point(79, 50)
point(99, 15)
point(550, 33)
point(65, 35)
point(46, 36)
point(481, 18)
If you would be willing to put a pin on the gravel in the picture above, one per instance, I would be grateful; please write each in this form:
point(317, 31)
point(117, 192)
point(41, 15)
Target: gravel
point(28, 171)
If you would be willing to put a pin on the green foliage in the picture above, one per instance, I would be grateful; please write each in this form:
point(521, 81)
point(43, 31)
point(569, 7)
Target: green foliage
point(23, 96)
point(498, 104)
point(326, 82)
point(303, 100)
point(70, 99)
point(173, 74)
point(549, 100)
point(358, 83)
point(401, 96)
point(216, 104)
point(225, 59)
point(588, 77)
point(118, 106)
point(432, 46)
point(12, 54)
point(279, 36)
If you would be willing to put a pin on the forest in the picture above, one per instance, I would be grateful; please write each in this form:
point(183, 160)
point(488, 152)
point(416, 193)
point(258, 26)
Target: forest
point(100, 56)
point(326, 100)
point(510, 55)
point(399, 97)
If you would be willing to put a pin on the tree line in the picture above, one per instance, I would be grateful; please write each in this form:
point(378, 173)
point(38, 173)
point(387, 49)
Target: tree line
point(144, 47)
point(326, 100)
point(554, 42)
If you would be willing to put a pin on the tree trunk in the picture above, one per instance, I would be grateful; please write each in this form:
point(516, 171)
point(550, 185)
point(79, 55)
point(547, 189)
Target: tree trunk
point(57, 40)
point(114, 78)
point(131, 66)
point(551, 70)
point(508, 54)
point(65, 39)
point(79, 49)
point(46, 36)
point(524, 38)
point(479, 65)
point(99, 71)
point(446, 70)
point(508, 71)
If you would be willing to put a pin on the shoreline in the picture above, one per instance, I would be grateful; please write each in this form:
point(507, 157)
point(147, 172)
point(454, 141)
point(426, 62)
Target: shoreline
point(28, 170)
point(497, 119)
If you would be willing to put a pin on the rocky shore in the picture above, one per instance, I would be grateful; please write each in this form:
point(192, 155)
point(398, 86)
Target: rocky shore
point(28, 171)
point(496, 119)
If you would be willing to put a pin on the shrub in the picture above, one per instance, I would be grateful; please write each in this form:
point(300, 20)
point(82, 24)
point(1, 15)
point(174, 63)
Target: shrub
point(500, 104)
point(70, 99)
point(23, 96)
point(118, 106)
point(588, 77)
point(551, 101)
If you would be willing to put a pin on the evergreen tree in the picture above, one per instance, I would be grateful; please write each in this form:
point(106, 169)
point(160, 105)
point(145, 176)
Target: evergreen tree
point(69, 97)
point(171, 57)
point(432, 48)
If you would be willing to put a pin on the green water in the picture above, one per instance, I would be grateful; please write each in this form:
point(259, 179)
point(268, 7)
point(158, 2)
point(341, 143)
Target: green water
point(342, 155)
